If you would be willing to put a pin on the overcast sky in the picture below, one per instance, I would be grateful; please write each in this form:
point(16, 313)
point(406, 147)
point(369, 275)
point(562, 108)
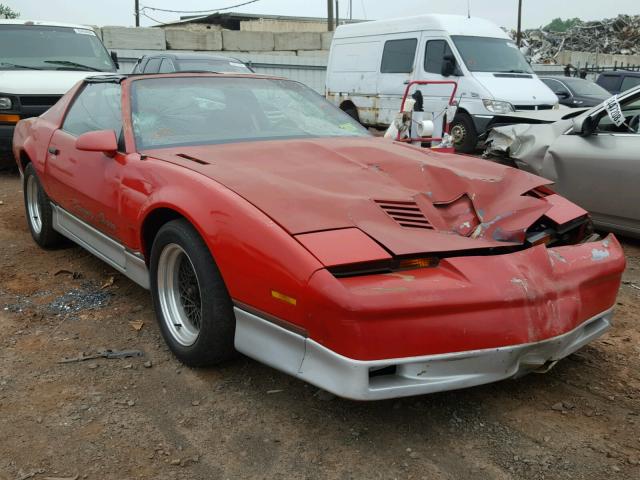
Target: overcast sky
point(502, 12)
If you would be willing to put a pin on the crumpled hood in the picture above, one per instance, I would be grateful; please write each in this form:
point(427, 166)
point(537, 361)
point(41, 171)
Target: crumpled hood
point(517, 90)
point(41, 82)
point(408, 199)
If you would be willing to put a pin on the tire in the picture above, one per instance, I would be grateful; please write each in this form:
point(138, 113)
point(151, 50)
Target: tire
point(352, 111)
point(38, 210)
point(463, 133)
point(192, 304)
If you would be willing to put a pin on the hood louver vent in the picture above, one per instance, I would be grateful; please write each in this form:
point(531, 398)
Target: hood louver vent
point(407, 214)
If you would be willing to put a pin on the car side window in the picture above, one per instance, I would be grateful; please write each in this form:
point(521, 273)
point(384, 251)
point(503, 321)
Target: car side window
point(398, 56)
point(609, 82)
point(166, 66)
point(434, 54)
point(630, 110)
point(97, 107)
point(152, 66)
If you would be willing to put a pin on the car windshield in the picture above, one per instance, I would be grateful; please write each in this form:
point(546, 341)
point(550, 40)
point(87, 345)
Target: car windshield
point(212, 65)
point(497, 55)
point(586, 88)
point(52, 48)
point(176, 111)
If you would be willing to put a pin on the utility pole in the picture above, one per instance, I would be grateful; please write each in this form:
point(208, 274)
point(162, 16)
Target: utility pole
point(337, 14)
point(136, 8)
point(519, 33)
point(330, 15)
point(350, 9)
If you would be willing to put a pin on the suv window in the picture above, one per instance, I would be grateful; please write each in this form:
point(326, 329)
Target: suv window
point(398, 56)
point(97, 107)
point(629, 82)
point(152, 65)
point(609, 82)
point(434, 55)
point(167, 66)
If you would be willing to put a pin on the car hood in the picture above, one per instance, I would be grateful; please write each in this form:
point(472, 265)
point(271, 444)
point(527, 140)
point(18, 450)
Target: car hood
point(41, 82)
point(408, 199)
point(517, 89)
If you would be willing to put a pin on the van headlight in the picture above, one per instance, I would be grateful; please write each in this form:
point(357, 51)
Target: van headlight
point(5, 103)
point(496, 106)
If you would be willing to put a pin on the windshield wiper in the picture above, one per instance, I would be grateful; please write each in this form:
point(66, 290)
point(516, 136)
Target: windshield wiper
point(73, 64)
point(514, 71)
point(27, 67)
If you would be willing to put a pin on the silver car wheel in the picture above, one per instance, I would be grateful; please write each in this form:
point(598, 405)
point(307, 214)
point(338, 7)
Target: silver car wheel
point(179, 295)
point(33, 204)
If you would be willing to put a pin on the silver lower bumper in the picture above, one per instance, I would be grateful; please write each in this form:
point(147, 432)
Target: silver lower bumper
point(400, 377)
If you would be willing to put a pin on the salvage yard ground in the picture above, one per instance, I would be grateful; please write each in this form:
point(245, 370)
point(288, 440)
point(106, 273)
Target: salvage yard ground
point(151, 417)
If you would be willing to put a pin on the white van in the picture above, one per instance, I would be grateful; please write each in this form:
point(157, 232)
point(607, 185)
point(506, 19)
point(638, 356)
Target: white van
point(39, 62)
point(370, 64)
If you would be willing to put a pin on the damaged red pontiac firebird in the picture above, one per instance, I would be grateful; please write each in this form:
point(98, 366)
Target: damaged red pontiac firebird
point(266, 221)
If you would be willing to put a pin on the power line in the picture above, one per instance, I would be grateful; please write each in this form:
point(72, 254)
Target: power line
point(199, 11)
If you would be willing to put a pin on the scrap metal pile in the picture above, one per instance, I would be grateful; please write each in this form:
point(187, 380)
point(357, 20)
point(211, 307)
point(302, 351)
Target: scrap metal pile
point(620, 35)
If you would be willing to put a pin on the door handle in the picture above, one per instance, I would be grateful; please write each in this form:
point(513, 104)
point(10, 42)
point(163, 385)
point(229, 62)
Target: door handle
point(54, 151)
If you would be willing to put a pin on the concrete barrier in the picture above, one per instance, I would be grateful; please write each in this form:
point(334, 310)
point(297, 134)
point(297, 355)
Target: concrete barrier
point(183, 39)
point(134, 38)
point(234, 40)
point(298, 41)
point(326, 40)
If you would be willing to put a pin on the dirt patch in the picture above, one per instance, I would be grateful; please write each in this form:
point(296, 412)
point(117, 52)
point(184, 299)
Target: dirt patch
point(116, 419)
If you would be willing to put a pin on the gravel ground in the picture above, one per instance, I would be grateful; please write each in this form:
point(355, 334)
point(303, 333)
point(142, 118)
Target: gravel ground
point(151, 417)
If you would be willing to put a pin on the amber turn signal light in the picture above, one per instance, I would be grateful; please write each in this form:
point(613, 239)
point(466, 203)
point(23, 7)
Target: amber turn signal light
point(411, 263)
point(9, 118)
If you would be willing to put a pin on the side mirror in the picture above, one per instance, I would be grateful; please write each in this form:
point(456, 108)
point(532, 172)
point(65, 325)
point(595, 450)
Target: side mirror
point(584, 126)
point(104, 141)
point(448, 65)
point(562, 94)
point(114, 57)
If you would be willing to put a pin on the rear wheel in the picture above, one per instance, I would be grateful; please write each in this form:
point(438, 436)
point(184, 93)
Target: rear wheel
point(463, 133)
point(193, 307)
point(38, 210)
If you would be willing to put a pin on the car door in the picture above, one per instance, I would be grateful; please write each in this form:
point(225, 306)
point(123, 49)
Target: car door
point(87, 184)
point(436, 97)
point(601, 172)
point(396, 69)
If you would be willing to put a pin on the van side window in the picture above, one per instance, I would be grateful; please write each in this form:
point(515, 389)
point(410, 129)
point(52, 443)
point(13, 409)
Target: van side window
point(398, 56)
point(434, 55)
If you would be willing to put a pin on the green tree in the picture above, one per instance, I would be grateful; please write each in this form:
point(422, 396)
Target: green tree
point(559, 25)
point(7, 12)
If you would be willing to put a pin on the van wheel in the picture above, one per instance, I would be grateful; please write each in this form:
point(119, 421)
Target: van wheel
point(463, 133)
point(352, 111)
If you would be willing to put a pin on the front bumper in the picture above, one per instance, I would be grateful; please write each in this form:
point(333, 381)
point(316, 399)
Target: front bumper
point(306, 359)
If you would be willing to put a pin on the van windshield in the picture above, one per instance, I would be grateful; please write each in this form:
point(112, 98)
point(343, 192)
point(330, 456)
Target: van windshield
point(497, 55)
point(52, 48)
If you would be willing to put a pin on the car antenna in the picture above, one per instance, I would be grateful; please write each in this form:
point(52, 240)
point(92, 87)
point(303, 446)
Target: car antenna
point(468, 8)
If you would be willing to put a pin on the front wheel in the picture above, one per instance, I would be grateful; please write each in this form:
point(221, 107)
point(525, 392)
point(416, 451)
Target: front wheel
point(38, 210)
point(463, 133)
point(192, 305)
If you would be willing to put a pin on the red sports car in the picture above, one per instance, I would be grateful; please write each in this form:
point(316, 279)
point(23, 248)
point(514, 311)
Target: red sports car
point(266, 221)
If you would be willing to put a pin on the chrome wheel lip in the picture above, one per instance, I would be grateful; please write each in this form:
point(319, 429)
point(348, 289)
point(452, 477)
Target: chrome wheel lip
point(33, 205)
point(176, 320)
